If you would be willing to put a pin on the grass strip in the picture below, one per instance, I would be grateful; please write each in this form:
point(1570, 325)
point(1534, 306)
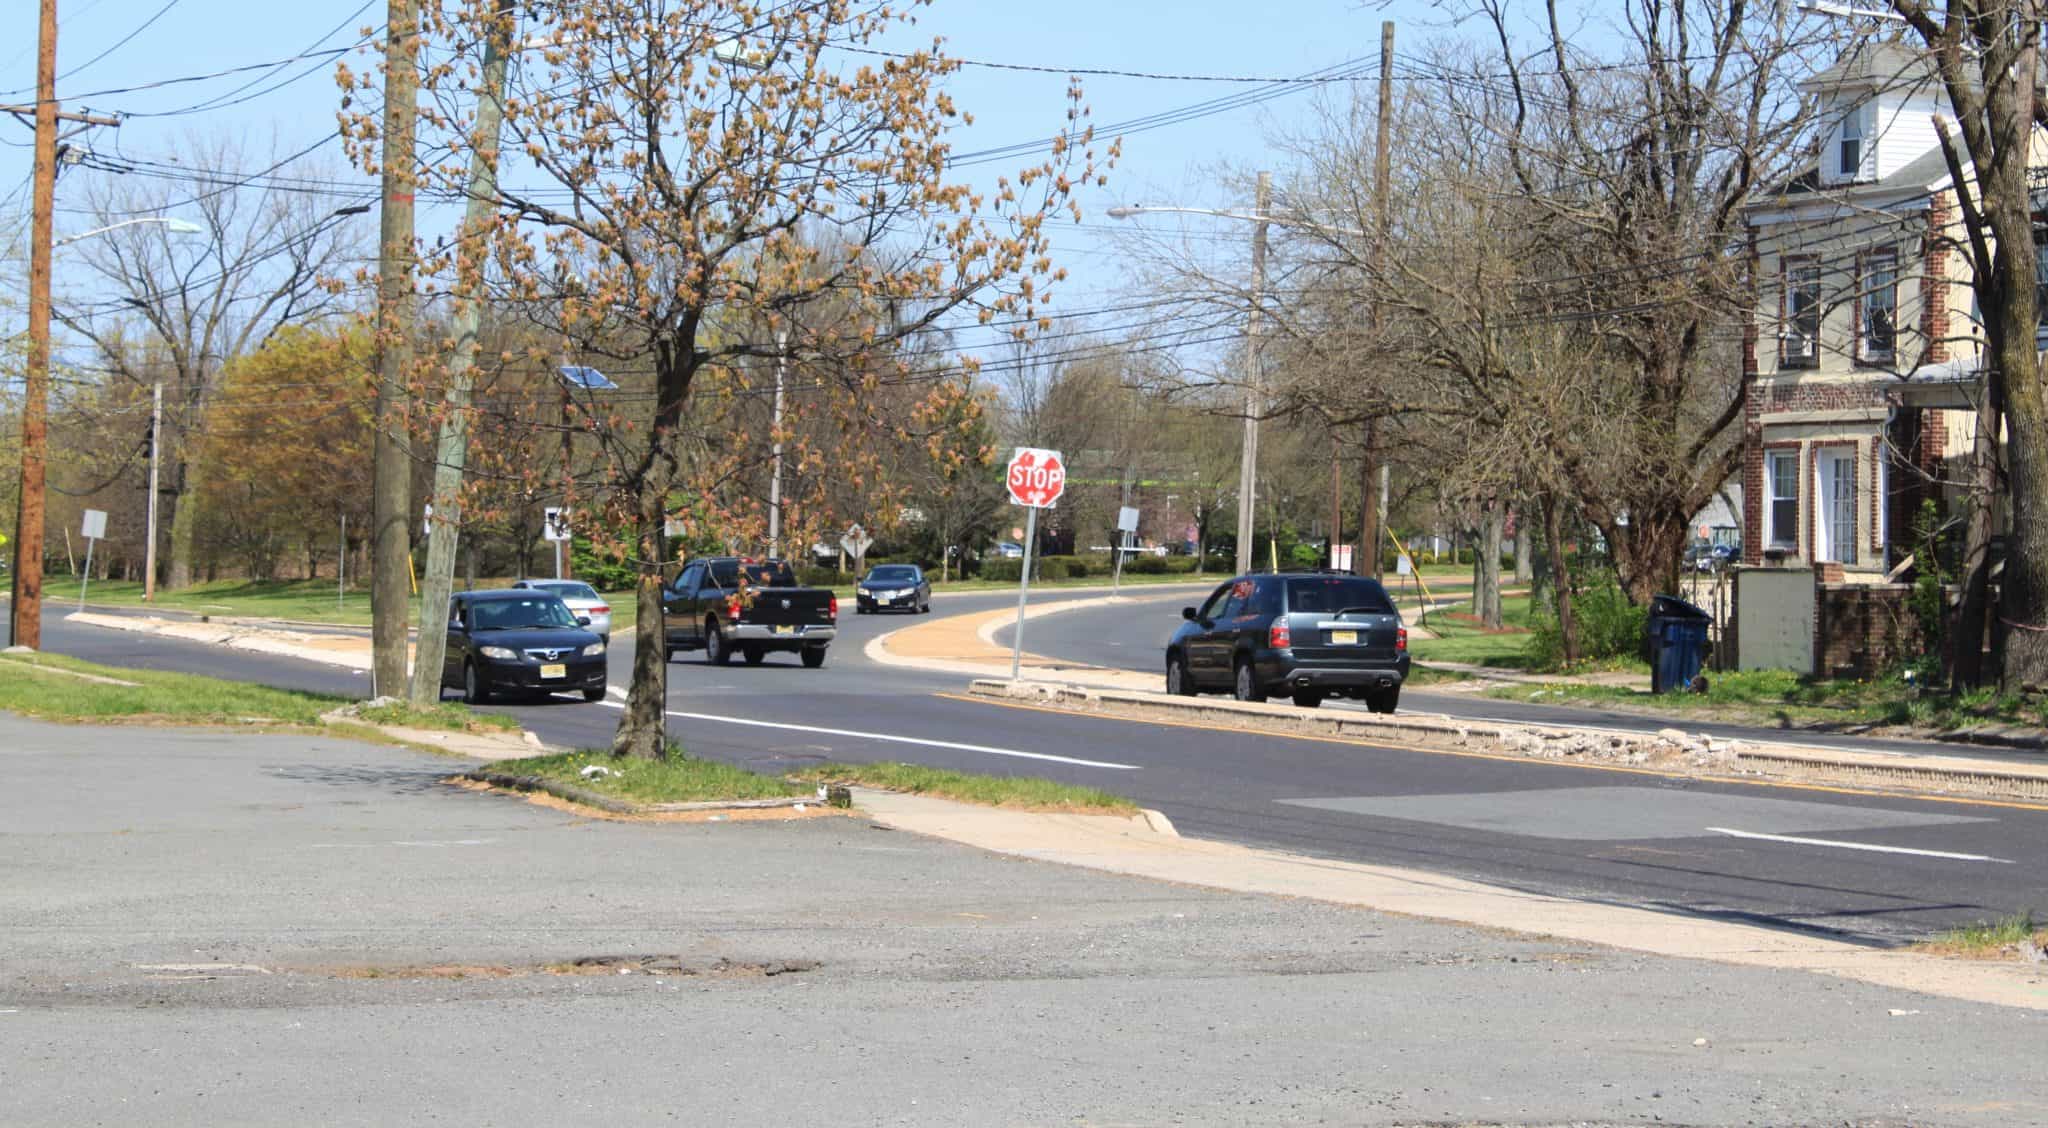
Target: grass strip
point(446, 716)
point(1781, 697)
point(1991, 940)
point(31, 686)
point(1017, 792)
point(678, 779)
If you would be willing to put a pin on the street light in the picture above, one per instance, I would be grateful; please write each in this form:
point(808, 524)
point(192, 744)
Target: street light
point(25, 611)
point(174, 226)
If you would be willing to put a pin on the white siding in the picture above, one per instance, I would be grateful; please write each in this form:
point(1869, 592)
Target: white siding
point(1904, 131)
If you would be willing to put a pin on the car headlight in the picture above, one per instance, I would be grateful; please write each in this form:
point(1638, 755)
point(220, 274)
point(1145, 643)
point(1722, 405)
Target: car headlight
point(497, 652)
point(593, 650)
point(862, 591)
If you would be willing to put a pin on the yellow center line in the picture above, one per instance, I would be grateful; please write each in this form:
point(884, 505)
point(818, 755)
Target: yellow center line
point(1359, 742)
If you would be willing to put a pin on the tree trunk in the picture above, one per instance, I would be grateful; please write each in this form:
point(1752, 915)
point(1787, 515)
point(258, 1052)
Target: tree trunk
point(1368, 561)
point(1525, 547)
point(1486, 597)
point(643, 724)
point(184, 526)
point(1648, 554)
point(1966, 670)
point(1561, 579)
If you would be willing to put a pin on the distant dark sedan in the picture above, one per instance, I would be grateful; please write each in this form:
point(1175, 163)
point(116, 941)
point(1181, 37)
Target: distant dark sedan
point(520, 642)
point(893, 587)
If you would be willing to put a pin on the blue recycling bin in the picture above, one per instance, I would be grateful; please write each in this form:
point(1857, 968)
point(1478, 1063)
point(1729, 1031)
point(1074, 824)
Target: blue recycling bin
point(1677, 638)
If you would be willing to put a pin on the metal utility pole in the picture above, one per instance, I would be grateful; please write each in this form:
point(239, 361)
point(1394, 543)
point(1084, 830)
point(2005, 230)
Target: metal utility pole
point(391, 498)
point(25, 611)
point(1254, 382)
point(1373, 519)
point(775, 480)
point(156, 438)
point(451, 455)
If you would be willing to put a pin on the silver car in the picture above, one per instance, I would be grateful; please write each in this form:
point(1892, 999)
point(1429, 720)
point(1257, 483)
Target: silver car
point(583, 600)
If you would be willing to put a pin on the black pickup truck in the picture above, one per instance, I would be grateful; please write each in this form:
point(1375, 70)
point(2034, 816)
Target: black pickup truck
point(723, 604)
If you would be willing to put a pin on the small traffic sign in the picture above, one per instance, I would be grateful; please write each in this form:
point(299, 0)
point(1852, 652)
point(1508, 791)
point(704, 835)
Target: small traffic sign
point(856, 542)
point(554, 524)
point(1036, 477)
point(95, 524)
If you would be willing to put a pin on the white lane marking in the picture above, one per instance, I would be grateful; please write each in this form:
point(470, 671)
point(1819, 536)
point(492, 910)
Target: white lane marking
point(887, 738)
point(1870, 846)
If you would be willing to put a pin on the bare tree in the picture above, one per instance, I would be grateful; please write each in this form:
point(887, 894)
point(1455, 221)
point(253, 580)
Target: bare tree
point(260, 263)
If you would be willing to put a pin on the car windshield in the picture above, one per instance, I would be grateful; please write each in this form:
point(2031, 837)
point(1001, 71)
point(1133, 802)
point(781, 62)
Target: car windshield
point(893, 573)
point(520, 614)
point(567, 589)
point(767, 573)
point(1338, 593)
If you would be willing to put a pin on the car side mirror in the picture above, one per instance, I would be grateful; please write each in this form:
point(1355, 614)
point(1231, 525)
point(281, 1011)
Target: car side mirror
point(582, 620)
point(1189, 613)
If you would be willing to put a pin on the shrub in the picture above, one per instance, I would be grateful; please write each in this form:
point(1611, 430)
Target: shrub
point(1180, 565)
point(1147, 565)
point(1002, 569)
point(810, 576)
point(1609, 627)
point(1077, 569)
point(603, 571)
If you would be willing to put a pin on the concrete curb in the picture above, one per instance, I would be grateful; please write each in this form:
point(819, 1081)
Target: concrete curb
point(1669, 751)
point(589, 798)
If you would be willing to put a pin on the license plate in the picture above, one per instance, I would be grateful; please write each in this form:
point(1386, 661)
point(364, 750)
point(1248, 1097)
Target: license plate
point(1344, 638)
point(556, 670)
point(785, 630)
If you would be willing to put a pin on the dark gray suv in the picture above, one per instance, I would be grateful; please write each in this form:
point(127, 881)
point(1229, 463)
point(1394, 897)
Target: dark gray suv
point(1308, 635)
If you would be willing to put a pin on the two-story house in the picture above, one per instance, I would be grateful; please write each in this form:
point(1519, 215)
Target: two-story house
point(1862, 353)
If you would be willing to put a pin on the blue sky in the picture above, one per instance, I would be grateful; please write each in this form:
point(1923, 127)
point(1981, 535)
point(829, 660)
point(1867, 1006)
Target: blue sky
point(107, 45)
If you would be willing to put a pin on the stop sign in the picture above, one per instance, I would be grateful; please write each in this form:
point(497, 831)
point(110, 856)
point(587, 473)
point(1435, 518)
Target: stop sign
point(1037, 477)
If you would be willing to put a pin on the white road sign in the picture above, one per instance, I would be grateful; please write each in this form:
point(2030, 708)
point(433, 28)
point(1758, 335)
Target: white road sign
point(95, 524)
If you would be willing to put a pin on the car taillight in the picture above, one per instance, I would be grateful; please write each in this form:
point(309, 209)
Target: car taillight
point(601, 609)
point(833, 608)
point(732, 607)
point(1280, 638)
point(1401, 639)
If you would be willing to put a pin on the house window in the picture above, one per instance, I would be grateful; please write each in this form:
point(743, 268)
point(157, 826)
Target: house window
point(1834, 527)
point(1800, 338)
point(1781, 469)
point(2040, 283)
point(1850, 143)
point(1878, 306)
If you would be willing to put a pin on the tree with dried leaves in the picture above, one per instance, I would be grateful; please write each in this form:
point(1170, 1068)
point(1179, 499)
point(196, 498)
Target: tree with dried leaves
point(687, 169)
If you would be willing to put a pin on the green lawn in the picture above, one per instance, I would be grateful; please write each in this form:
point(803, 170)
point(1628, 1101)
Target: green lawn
point(1460, 640)
point(678, 779)
point(44, 685)
point(1783, 698)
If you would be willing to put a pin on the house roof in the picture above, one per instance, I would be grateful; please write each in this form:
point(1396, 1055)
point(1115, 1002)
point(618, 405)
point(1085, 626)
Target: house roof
point(1925, 173)
point(1875, 66)
point(1953, 384)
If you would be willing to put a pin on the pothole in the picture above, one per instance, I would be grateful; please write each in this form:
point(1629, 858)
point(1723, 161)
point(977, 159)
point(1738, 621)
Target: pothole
point(669, 966)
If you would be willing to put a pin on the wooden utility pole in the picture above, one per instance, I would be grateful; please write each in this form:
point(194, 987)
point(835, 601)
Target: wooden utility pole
point(156, 438)
point(1254, 384)
point(451, 455)
point(391, 497)
point(1372, 494)
point(25, 610)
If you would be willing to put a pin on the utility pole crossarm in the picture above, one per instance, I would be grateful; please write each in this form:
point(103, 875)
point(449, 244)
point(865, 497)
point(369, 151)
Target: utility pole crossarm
point(63, 115)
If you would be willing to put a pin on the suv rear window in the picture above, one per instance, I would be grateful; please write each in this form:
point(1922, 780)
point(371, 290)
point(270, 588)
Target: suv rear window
point(1331, 594)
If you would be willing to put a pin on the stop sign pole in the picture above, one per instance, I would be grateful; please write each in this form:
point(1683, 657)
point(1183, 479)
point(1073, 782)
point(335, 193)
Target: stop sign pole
point(1036, 479)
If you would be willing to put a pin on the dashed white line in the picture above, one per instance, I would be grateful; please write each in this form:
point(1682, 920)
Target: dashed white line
point(1870, 846)
point(889, 738)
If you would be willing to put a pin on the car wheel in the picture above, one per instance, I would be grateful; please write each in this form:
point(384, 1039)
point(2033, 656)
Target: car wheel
point(1248, 688)
point(860, 609)
point(474, 691)
point(668, 654)
point(1179, 682)
point(595, 693)
point(1308, 698)
point(715, 651)
point(1383, 701)
point(753, 655)
point(814, 657)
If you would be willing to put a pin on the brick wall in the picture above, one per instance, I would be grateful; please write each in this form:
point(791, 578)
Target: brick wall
point(1771, 398)
point(1934, 295)
point(1861, 630)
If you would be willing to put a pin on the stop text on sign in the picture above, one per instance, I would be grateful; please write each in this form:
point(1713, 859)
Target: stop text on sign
point(1036, 477)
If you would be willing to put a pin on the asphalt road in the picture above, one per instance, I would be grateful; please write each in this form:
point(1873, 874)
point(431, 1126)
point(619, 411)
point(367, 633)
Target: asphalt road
point(207, 928)
point(1877, 869)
